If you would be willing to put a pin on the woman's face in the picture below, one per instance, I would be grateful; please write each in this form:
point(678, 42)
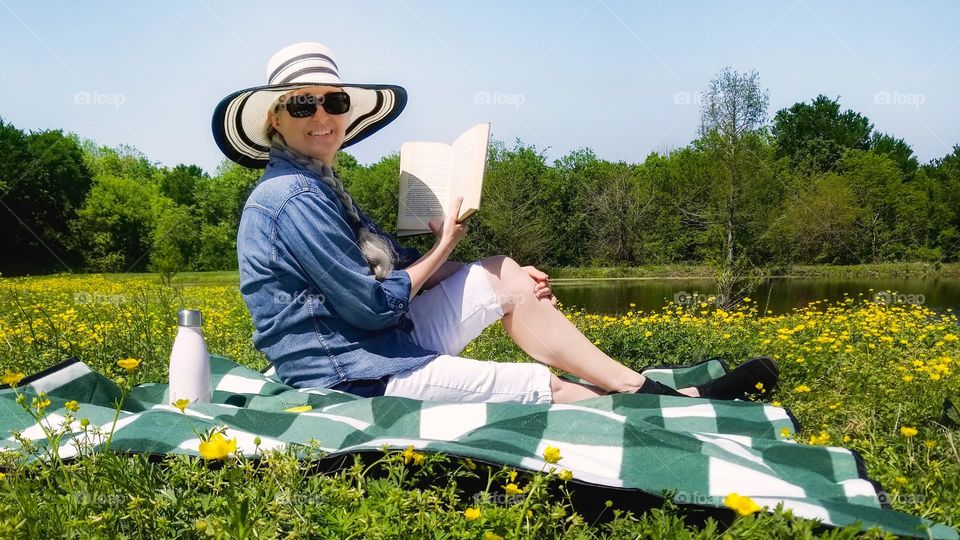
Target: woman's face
point(318, 136)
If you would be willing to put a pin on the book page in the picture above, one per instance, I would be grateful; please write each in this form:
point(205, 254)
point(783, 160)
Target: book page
point(468, 161)
point(424, 185)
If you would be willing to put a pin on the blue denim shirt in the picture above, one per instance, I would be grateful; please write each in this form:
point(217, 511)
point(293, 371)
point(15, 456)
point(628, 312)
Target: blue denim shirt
point(319, 314)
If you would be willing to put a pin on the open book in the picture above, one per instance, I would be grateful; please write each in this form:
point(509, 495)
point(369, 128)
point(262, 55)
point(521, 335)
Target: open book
point(433, 174)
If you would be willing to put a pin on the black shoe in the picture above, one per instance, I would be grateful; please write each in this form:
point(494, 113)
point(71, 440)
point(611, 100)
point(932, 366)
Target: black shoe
point(742, 381)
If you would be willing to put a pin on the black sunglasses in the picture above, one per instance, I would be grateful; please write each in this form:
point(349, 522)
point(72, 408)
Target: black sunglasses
point(305, 105)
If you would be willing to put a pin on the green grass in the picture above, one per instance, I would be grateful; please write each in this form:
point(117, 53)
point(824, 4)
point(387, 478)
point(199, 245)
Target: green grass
point(870, 370)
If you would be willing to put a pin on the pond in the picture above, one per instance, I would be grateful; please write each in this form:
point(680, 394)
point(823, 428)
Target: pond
point(778, 295)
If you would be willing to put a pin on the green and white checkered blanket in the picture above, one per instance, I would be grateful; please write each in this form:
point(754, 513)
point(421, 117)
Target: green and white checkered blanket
point(701, 450)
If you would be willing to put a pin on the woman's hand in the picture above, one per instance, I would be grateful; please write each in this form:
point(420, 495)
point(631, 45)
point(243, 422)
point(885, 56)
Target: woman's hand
point(542, 288)
point(450, 233)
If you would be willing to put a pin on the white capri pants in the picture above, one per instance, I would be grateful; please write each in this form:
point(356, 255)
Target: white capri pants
point(446, 318)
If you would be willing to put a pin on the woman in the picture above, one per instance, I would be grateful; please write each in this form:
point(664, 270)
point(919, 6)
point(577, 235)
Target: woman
point(338, 303)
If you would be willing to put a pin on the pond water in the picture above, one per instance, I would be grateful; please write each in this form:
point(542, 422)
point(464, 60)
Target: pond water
point(777, 295)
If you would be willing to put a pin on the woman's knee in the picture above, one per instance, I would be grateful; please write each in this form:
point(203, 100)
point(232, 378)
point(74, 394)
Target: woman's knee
point(510, 282)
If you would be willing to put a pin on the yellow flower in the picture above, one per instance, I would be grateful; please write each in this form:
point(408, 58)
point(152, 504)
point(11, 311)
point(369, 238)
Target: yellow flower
point(512, 475)
point(950, 337)
point(72, 405)
point(181, 404)
point(410, 455)
point(907, 378)
point(12, 379)
point(491, 536)
point(801, 389)
point(40, 402)
point(908, 431)
point(775, 403)
point(129, 364)
point(784, 432)
point(742, 504)
point(299, 408)
point(552, 454)
point(512, 489)
point(930, 443)
point(758, 386)
point(565, 475)
point(217, 447)
point(901, 479)
point(471, 513)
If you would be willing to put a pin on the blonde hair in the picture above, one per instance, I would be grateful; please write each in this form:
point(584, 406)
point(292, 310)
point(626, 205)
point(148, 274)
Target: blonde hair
point(377, 250)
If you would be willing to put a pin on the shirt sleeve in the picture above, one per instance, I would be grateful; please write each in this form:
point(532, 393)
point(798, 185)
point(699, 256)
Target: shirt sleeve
point(323, 246)
point(405, 255)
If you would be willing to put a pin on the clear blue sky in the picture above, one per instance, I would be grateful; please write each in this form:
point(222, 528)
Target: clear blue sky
point(609, 75)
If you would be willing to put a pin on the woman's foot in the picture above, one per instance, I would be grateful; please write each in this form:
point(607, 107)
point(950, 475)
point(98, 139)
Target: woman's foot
point(752, 378)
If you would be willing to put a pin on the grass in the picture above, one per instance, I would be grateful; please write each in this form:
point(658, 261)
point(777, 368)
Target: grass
point(853, 372)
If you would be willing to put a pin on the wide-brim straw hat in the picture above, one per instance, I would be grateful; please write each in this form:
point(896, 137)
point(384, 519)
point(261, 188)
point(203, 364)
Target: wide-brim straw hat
point(240, 118)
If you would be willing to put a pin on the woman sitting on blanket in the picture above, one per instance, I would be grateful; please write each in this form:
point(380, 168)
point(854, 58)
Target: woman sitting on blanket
point(337, 303)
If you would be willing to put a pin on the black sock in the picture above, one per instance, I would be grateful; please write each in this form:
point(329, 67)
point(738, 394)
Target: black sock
point(742, 381)
point(651, 386)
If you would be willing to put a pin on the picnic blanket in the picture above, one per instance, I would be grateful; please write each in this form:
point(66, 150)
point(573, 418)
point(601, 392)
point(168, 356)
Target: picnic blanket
point(642, 445)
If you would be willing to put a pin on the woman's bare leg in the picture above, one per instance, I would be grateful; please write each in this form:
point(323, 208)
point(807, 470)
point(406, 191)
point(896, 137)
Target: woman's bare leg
point(544, 333)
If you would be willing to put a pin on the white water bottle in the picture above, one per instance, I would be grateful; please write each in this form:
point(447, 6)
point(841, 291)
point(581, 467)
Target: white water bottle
point(189, 360)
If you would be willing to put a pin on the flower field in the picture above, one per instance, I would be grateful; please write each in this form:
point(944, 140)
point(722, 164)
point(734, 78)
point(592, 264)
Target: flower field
point(857, 374)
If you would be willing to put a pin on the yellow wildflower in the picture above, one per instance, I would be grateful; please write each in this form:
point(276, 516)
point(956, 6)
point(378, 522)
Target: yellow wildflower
point(217, 447)
point(491, 536)
point(129, 364)
point(72, 405)
point(12, 379)
point(930, 443)
point(471, 513)
point(512, 489)
point(950, 337)
point(742, 504)
point(410, 455)
point(40, 402)
point(802, 389)
point(181, 404)
point(908, 431)
point(552, 454)
point(907, 378)
point(565, 475)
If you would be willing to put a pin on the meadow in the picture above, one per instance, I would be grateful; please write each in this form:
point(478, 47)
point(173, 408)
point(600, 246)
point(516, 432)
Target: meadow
point(857, 374)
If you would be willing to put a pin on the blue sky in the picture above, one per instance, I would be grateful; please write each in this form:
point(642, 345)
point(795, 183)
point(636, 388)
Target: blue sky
point(619, 77)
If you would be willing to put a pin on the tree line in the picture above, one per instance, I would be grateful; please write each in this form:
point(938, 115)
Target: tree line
point(814, 184)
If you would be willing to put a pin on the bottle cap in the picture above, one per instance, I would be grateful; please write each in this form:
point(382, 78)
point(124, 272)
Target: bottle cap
point(189, 317)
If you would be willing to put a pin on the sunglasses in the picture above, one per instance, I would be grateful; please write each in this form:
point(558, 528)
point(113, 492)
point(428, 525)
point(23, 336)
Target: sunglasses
point(305, 105)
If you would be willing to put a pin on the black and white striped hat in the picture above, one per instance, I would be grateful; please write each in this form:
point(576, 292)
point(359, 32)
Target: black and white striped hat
point(240, 118)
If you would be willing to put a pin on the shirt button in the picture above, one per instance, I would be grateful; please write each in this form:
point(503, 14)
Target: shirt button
point(400, 305)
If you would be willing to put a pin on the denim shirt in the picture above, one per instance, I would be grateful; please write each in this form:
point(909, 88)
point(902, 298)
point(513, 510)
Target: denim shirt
point(319, 314)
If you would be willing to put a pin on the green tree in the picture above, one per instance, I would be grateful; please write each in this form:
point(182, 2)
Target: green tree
point(813, 136)
point(180, 183)
point(176, 240)
point(43, 181)
point(116, 224)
